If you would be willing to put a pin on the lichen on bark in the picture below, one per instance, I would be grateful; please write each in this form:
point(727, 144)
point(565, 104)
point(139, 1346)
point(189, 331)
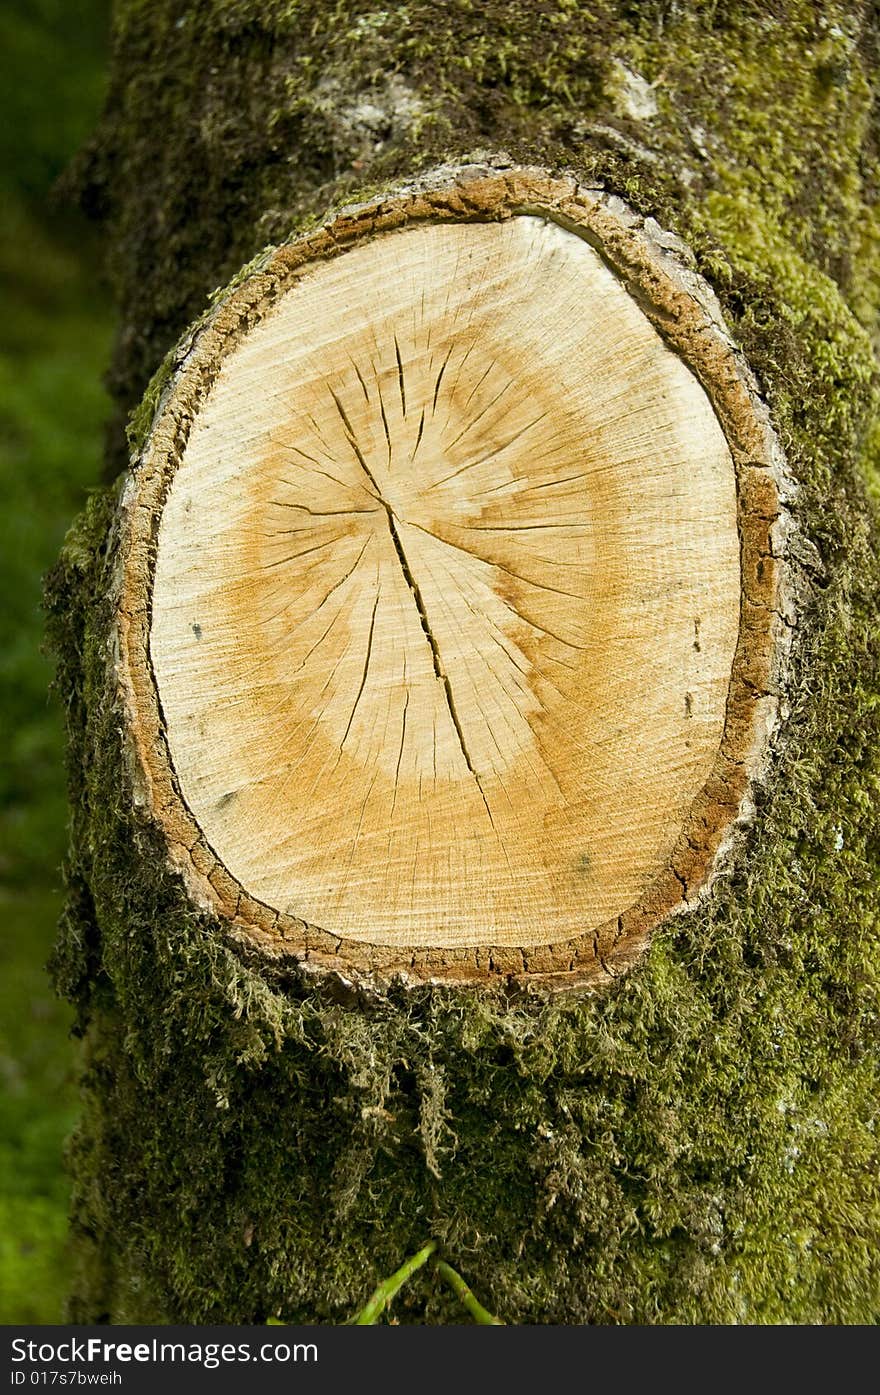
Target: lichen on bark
point(696, 1143)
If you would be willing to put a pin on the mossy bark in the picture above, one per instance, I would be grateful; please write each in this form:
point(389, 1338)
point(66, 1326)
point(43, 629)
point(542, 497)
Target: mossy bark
point(696, 1142)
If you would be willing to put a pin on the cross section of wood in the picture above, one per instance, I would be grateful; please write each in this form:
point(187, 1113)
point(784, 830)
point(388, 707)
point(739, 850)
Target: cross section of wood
point(447, 593)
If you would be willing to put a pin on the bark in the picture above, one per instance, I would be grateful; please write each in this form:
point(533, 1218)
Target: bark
point(694, 1141)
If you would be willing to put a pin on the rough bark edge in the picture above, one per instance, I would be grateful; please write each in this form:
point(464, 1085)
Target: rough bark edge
point(657, 270)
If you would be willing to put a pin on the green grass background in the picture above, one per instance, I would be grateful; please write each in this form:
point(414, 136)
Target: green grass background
point(55, 326)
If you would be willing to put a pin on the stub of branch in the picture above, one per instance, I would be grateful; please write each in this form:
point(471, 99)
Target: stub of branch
point(449, 588)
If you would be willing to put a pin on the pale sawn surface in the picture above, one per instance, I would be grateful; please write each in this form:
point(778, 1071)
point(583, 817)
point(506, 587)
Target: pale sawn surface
point(447, 593)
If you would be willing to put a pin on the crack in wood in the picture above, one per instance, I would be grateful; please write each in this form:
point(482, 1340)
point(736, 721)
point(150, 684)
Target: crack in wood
point(439, 670)
point(366, 669)
point(400, 378)
point(440, 378)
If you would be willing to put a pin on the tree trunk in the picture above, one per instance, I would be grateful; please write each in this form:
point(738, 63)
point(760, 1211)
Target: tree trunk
point(601, 1019)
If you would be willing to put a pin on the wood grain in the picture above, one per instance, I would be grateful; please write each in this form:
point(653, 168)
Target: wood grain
point(447, 594)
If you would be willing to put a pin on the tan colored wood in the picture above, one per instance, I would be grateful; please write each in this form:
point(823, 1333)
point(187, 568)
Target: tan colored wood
point(446, 603)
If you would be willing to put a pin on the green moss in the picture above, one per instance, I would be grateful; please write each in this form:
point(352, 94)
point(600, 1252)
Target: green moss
point(141, 419)
point(872, 460)
point(697, 1143)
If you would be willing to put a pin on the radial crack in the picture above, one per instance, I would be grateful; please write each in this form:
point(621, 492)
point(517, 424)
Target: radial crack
point(413, 585)
point(439, 670)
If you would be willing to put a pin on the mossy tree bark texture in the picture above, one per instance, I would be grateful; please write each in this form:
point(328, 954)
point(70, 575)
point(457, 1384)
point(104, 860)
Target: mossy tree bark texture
point(694, 1139)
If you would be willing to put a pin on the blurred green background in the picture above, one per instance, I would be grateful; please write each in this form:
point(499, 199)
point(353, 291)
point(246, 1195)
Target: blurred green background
point(55, 329)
